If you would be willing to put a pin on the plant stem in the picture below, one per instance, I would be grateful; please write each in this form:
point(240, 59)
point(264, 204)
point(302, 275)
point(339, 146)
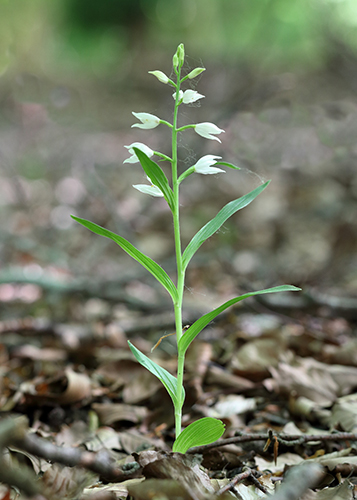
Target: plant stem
point(180, 270)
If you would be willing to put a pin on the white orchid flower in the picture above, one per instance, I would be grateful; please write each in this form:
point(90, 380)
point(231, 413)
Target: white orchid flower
point(204, 165)
point(206, 129)
point(160, 76)
point(147, 120)
point(189, 96)
point(139, 145)
point(151, 190)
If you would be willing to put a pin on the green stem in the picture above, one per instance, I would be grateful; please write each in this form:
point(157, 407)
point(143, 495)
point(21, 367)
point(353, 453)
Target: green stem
point(185, 127)
point(180, 269)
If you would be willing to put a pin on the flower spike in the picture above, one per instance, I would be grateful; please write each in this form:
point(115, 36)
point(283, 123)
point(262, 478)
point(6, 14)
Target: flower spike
point(206, 129)
point(148, 120)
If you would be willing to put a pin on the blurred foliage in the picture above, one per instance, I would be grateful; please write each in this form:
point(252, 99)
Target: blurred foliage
point(88, 35)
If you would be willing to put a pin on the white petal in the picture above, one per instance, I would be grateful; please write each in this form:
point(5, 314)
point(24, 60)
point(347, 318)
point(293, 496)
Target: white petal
point(132, 159)
point(139, 145)
point(207, 160)
point(146, 189)
point(180, 95)
point(209, 170)
point(148, 120)
point(190, 96)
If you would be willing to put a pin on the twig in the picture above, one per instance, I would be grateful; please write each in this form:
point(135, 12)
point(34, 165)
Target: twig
point(100, 462)
point(286, 439)
point(247, 474)
point(14, 431)
point(22, 478)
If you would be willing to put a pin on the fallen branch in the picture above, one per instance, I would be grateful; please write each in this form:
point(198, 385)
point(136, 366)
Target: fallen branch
point(101, 462)
point(14, 432)
point(247, 474)
point(286, 439)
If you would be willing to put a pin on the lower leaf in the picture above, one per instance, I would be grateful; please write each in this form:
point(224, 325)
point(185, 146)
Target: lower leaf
point(204, 431)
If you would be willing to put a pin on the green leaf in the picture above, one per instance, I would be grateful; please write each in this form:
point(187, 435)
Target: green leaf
point(199, 325)
point(213, 225)
point(140, 257)
point(157, 176)
point(225, 164)
point(204, 431)
point(168, 380)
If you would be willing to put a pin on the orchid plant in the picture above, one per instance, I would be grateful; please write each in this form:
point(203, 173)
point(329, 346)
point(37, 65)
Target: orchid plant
point(205, 430)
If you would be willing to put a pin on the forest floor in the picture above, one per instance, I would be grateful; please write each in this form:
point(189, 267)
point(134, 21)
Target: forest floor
point(80, 418)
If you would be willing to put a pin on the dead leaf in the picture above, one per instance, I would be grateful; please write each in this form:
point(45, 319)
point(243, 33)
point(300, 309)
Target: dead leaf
point(256, 357)
point(232, 405)
point(111, 491)
point(165, 489)
point(66, 482)
point(343, 491)
point(110, 413)
point(319, 382)
point(78, 387)
point(344, 413)
point(182, 468)
point(222, 378)
point(198, 357)
point(285, 459)
point(132, 441)
point(40, 353)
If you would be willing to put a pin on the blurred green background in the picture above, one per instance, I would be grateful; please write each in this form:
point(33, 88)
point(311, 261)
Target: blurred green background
point(91, 38)
point(281, 79)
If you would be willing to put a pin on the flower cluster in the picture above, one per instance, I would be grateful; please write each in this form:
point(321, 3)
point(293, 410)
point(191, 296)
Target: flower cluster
point(204, 165)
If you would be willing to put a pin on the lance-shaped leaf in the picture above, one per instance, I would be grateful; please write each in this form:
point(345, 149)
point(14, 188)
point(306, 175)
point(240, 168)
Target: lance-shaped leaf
point(213, 225)
point(203, 431)
point(156, 175)
point(199, 325)
point(168, 380)
point(149, 264)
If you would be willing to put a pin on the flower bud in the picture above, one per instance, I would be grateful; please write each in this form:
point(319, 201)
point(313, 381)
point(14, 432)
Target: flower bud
point(160, 76)
point(195, 72)
point(175, 61)
point(179, 57)
point(181, 54)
